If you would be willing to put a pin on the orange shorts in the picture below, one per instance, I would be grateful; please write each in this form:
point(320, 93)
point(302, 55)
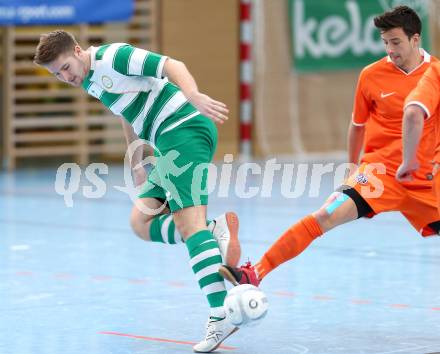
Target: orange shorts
point(383, 193)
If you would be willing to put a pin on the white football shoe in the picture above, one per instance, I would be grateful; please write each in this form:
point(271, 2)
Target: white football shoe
point(225, 230)
point(216, 333)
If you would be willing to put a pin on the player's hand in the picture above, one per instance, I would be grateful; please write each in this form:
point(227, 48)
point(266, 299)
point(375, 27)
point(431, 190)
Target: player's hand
point(406, 171)
point(215, 110)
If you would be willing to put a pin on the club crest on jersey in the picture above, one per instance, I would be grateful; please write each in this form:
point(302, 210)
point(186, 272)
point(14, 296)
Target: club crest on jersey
point(107, 82)
point(361, 178)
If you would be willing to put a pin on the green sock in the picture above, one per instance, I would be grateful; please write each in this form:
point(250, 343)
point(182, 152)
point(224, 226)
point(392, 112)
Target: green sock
point(164, 230)
point(205, 261)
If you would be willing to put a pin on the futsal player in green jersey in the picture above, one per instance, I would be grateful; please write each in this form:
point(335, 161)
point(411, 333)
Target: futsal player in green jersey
point(159, 102)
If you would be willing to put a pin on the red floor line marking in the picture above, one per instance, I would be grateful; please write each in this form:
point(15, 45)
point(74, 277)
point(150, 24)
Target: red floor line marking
point(401, 306)
point(159, 339)
point(181, 284)
point(101, 277)
point(63, 276)
point(176, 284)
point(360, 301)
point(323, 298)
point(284, 293)
point(137, 281)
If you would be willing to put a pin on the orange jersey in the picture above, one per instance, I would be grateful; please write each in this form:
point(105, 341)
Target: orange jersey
point(379, 101)
point(427, 96)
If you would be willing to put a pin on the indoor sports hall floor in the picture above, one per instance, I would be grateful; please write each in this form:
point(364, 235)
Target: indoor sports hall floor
point(75, 280)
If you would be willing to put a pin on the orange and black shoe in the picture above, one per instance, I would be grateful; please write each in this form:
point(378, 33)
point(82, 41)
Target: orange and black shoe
point(243, 275)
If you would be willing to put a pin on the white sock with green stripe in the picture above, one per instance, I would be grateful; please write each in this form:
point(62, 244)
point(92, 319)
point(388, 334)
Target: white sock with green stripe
point(164, 230)
point(205, 261)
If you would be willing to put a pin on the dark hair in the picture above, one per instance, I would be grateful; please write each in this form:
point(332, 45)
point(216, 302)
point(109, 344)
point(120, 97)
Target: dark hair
point(52, 45)
point(400, 17)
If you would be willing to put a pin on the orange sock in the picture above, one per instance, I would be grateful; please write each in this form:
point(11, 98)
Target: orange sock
point(289, 245)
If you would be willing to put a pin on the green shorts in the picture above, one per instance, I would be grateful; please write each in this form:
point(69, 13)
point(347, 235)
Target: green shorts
point(183, 154)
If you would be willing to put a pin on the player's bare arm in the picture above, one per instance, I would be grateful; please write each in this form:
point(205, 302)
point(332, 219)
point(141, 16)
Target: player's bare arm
point(355, 141)
point(412, 129)
point(178, 73)
point(136, 153)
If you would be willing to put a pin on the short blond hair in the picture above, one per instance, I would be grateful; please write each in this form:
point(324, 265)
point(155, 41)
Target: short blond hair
point(52, 45)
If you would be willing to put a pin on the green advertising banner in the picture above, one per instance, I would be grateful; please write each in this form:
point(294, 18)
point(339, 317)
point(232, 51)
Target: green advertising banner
point(340, 34)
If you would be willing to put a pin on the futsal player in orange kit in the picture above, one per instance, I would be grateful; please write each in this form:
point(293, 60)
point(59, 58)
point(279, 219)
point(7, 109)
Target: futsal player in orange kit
point(377, 128)
point(421, 106)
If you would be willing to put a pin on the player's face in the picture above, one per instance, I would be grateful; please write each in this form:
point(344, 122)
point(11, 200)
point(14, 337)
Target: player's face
point(70, 67)
point(399, 47)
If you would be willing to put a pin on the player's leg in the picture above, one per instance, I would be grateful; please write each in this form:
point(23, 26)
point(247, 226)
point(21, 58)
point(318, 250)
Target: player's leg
point(357, 199)
point(205, 261)
point(204, 254)
point(151, 221)
point(150, 226)
point(186, 152)
point(150, 217)
point(420, 208)
point(338, 209)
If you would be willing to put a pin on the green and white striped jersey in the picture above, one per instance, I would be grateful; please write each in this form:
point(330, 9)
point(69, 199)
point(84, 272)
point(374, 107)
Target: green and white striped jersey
point(129, 82)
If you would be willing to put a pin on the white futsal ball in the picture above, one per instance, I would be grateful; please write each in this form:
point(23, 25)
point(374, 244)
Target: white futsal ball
point(245, 305)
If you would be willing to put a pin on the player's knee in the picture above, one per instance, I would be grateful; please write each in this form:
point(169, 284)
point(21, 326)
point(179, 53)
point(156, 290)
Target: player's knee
point(138, 222)
point(186, 229)
point(135, 221)
point(323, 218)
point(183, 227)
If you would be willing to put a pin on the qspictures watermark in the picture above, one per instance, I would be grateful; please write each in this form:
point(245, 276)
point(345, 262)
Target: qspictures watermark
point(245, 180)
